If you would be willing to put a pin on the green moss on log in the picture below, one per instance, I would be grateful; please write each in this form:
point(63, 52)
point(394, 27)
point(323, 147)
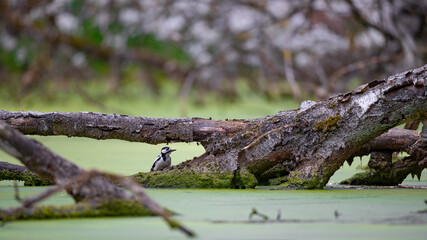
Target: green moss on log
point(329, 124)
point(373, 178)
point(29, 178)
point(297, 181)
point(116, 207)
point(244, 179)
point(277, 181)
point(248, 179)
point(189, 179)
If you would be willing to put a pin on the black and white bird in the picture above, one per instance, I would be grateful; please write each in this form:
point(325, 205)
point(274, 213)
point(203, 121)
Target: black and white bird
point(163, 160)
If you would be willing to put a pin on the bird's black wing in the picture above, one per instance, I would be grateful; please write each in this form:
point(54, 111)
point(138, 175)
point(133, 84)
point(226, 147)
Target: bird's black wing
point(154, 164)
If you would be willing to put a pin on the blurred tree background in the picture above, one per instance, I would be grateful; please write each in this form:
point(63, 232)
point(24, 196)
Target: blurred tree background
point(273, 48)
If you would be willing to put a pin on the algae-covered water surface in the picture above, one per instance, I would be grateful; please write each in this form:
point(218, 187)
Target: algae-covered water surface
point(224, 214)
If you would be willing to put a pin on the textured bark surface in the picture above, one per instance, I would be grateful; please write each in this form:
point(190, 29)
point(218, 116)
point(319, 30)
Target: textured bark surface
point(113, 126)
point(302, 147)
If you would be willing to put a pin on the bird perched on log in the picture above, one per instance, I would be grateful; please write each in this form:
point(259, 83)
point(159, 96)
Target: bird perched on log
point(163, 160)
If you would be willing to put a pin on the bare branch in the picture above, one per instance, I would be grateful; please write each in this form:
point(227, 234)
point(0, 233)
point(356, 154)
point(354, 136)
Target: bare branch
point(114, 126)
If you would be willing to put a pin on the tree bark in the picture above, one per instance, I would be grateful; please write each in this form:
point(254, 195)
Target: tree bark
point(113, 126)
point(304, 146)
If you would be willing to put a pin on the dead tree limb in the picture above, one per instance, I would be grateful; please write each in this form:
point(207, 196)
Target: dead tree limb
point(304, 146)
point(92, 190)
point(113, 126)
point(53, 167)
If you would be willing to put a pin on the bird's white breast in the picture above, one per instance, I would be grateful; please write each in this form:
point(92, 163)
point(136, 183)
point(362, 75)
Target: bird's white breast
point(161, 164)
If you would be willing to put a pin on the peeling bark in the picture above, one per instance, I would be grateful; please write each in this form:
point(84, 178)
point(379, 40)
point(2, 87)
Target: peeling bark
point(304, 146)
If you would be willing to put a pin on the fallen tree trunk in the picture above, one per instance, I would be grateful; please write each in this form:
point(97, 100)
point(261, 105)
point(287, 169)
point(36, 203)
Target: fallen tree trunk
point(304, 147)
point(394, 140)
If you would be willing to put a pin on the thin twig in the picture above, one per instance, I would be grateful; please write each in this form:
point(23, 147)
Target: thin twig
point(29, 202)
point(17, 197)
point(255, 212)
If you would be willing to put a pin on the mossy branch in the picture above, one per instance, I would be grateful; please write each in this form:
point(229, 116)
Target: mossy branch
point(19, 173)
point(140, 205)
point(112, 207)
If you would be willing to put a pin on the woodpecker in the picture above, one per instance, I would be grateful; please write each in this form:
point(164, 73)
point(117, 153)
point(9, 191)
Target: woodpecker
point(163, 160)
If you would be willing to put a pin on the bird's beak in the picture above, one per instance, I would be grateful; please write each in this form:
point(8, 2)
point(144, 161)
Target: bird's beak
point(171, 150)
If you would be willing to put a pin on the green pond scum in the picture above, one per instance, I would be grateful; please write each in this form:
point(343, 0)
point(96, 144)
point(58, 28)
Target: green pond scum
point(224, 214)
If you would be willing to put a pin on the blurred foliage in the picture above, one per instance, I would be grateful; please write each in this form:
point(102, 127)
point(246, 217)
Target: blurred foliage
point(167, 49)
point(310, 48)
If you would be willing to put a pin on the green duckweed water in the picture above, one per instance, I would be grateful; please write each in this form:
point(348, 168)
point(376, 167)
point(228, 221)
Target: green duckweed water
point(224, 214)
